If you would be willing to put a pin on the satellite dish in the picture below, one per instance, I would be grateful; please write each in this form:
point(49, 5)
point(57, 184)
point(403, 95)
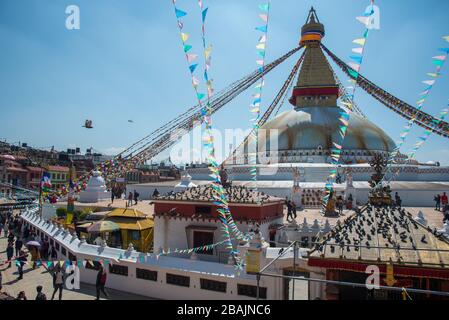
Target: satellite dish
point(88, 124)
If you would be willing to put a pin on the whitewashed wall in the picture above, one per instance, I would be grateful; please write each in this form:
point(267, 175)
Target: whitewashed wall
point(166, 264)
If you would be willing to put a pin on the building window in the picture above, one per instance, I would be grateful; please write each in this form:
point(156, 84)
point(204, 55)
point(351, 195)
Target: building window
point(251, 291)
point(63, 251)
point(146, 274)
point(177, 280)
point(52, 243)
point(201, 238)
point(213, 285)
point(57, 246)
point(119, 270)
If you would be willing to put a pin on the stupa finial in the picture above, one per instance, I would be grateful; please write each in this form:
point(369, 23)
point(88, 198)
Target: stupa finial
point(312, 17)
point(313, 30)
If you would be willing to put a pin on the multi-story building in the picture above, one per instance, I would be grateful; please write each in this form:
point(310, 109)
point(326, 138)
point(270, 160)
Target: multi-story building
point(12, 171)
point(59, 175)
point(34, 177)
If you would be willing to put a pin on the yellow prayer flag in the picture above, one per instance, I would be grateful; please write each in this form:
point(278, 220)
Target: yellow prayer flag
point(360, 41)
point(184, 37)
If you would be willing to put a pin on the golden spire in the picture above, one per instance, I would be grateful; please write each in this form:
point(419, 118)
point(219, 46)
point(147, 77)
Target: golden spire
point(316, 84)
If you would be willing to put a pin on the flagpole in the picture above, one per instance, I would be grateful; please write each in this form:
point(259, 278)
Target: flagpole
point(40, 193)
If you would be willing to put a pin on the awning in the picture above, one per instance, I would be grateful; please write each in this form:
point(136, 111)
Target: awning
point(84, 225)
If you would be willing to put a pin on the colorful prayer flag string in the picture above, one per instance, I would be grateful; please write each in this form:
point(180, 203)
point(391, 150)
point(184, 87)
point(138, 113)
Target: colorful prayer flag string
point(255, 106)
point(228, 224)
point(344, 118)
point(440, 59)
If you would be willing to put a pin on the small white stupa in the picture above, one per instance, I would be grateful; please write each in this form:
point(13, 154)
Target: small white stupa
point(186, 182)
point(96, 189)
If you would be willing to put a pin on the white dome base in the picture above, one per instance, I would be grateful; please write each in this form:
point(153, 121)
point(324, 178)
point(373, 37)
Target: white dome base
point(95, 191)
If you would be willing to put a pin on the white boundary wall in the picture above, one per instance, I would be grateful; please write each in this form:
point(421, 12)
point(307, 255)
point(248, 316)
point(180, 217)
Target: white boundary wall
point(159, 289)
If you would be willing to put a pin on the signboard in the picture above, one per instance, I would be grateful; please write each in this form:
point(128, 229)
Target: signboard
point(253, 261)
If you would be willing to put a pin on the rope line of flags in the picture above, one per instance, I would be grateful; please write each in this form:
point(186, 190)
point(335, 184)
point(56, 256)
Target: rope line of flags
point(337, 146)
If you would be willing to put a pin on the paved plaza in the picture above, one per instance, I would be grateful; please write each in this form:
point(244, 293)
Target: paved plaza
point(40, 276)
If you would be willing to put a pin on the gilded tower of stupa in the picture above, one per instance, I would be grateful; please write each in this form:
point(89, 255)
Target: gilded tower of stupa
point(306, 132)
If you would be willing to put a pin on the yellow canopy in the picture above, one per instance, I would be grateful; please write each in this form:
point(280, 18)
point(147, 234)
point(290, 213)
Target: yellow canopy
point(126, 213)
point(132, 224)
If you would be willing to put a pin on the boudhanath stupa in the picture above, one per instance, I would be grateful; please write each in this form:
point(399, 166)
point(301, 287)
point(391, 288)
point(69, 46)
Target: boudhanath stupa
point(300, 161)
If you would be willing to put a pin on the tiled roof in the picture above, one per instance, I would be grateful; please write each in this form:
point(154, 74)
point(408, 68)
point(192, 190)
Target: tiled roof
point(385, 236)
point(235, 194)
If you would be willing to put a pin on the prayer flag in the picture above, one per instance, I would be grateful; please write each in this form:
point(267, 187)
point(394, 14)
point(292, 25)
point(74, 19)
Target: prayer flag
point(191, 57)
point(358, 50)
point(354, 66)
point(360, 41)
point(46, 182)
point(187, 48)
point(262, 29)
point(180, 13)
point(184, 36)
point(429, 82)
point(364, 20)
point(264, 7)
point(356, 58)
point(442, 58)
point(204, 14)
point(193, 67)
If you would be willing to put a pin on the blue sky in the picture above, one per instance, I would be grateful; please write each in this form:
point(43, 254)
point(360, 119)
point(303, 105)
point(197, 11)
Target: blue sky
point(126, 62)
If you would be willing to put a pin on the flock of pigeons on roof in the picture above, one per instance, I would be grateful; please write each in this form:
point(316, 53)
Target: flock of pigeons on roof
point(235, 194)
point(394, 225)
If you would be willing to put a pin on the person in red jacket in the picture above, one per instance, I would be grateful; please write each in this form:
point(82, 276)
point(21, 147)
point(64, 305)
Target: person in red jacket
point(101, 282)
point(444, 199)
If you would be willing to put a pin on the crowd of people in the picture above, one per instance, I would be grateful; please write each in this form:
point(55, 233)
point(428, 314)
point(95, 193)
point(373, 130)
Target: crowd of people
point(23, 244)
